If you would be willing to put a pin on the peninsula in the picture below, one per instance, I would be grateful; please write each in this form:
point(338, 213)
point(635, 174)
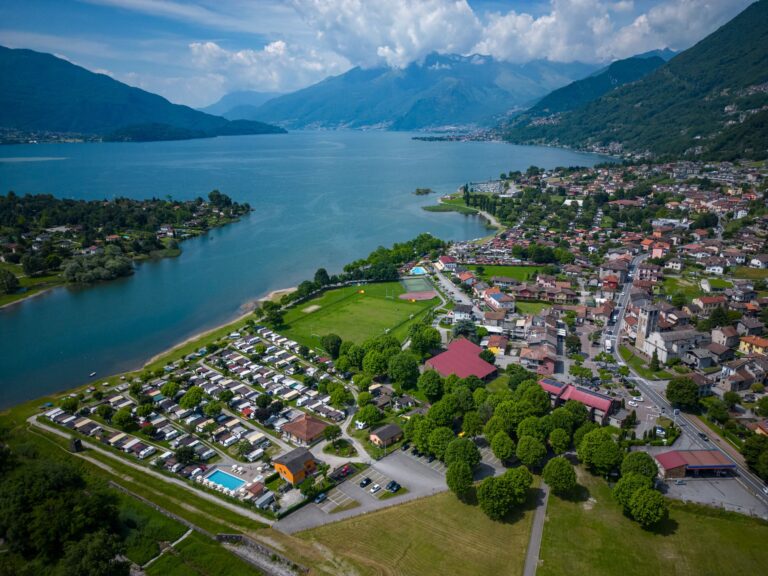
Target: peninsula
point(47, 241)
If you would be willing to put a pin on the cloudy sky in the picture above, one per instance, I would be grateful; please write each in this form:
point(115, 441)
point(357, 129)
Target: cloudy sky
point(194, 51)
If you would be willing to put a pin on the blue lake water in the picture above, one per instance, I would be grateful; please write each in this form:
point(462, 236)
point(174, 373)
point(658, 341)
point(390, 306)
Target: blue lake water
point(319, 199)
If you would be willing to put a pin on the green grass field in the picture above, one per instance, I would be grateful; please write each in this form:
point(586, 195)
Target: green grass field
point(521, 273)
point(201, 556)
point(31, 286)
point(750, 273)
point(639, 365)
point(354, 315)
point(431, 536)
point(691, 288)
point(531, 307)
point(592, 537)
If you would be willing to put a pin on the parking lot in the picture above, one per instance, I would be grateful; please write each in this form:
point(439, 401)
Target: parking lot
point(419, 478)
point(435, 465)
point(724, 492)
point(336, 499)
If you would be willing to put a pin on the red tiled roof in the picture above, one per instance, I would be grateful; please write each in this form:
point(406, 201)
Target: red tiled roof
point(305, 427)
point(463, 359)
point(695, 459)
point(569, 392)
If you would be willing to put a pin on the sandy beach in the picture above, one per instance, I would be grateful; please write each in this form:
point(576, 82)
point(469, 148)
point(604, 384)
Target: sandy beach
point(246, 309)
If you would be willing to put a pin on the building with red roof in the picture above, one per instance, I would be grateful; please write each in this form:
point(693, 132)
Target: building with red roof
point(599, 405)
point(679, 463)
point(462, 359)
point(446, 263)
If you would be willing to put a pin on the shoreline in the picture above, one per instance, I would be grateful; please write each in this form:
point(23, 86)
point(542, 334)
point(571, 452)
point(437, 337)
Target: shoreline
point(30, 296)
point(248, 308)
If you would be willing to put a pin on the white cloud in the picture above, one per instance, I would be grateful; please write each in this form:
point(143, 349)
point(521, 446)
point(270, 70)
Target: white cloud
point(391, 32)
point(597, 30)
point(278, 66)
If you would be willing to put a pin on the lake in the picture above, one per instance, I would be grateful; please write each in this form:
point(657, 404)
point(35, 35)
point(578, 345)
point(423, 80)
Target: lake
point(320, 199)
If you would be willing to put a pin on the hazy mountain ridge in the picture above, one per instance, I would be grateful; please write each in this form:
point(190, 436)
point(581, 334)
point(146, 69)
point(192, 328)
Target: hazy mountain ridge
point(442, 90)
point(44, 93)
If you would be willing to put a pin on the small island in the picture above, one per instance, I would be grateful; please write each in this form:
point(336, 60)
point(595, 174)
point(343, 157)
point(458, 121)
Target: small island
point(47, 241)
point(423, 191)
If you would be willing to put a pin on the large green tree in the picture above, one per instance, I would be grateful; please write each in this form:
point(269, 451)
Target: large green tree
point(9, 283)
point(530, 451)
point(560, 475)
point(502, 446)
point(462, 450)
point(499, 495)
point(648, 507)
point(459, 478)
point(431, 385)
point(331, 343)
point(403, 369)
point(626, 487)
point(641, 463)
point(683, 392)
point(439, 440)
point(599, 452)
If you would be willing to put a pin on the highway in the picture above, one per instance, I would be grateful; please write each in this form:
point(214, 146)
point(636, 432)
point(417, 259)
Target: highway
point(688, 425)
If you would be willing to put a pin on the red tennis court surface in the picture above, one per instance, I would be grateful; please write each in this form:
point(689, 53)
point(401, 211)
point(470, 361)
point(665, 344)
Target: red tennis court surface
point(428, 295)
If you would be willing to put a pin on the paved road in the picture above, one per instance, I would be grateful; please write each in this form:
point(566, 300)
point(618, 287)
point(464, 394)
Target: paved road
point(537, 530)
point(690, 427)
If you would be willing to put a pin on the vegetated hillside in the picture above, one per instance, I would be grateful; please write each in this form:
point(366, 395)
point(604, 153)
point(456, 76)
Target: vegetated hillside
point(592, 87)
point(444, 90)
point(709, 100)
point(229, 105)
point(43, 93)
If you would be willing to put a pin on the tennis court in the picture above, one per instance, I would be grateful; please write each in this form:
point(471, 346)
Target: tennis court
point(416, 284)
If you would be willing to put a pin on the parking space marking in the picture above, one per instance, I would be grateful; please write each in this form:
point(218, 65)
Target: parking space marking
point(335, 499)
point(435, 465)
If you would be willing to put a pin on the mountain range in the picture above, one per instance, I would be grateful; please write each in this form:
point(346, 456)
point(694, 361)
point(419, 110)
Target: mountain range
point(441, 91)
point(710, 100)
point(234, 104)
point(43, 93)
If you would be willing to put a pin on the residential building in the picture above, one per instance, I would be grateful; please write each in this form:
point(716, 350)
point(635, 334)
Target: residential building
point(386, 435)
point(462, 359)
point(304, 430)
point(295, 466)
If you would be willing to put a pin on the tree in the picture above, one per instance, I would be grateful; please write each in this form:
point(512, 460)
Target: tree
point(321, 277)
point(498, 495)
point(654, 365)
point(69, 403)
point(572, 344)
point(331, 343)
point(683, 392)
point(403, 369)
point(185, 455)
point(374, 363)
point(560, 475)
point(531, 426)
point(459, 479)
point(562, 418)
point(332, 433)
point(502, 446)
point(170, 389)
point(192, 398)
point(599, 452)
point(648, 507)
point(124, 419)
point(369, 415)
point(462, 450)
point(731, 398)
point(762, 406)
point(364, 398)
point(626, 487)
point(422, 429)
point(105, 412)
point(488, 356)
point(466, 329)
point(717, 410)
point(95, 555)
point(425, 339)
point(472, 424)
point(443, 412)
point(559, 441)
point(439, 439)
point(212, 409)
point(9, 283)
point(639, 463)
point(578, 411)
point(530, 451)
point(144, 410)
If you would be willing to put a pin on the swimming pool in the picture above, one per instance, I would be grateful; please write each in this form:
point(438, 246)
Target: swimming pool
point(418, 270)
point(223, 479)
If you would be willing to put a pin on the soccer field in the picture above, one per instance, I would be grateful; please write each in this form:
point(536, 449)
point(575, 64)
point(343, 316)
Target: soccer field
point(355, 313)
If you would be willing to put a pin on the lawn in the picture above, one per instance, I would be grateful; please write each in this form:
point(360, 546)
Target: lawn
point(430, 536)
point(498, 384)
point(355, 313)
point(520, 273)
point(750, 273)
point(689, 287)
point(593, 537)
point(201, 556)
point(145, 529)
point(28, 285)
point(531, 307)
point(639, 365)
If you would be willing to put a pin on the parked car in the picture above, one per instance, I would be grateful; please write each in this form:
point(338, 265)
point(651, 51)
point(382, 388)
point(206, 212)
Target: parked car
point(405, 446)
point(393, 486)
point(430, 458)
point(680, 482)
point(703, 436)
point(375, 488)
point(632, 403)
point(320, 498)
point(364, 482)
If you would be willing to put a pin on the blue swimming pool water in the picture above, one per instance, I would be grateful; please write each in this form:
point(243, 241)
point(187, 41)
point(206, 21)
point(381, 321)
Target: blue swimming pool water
point(418, 270)
point(227, 480)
